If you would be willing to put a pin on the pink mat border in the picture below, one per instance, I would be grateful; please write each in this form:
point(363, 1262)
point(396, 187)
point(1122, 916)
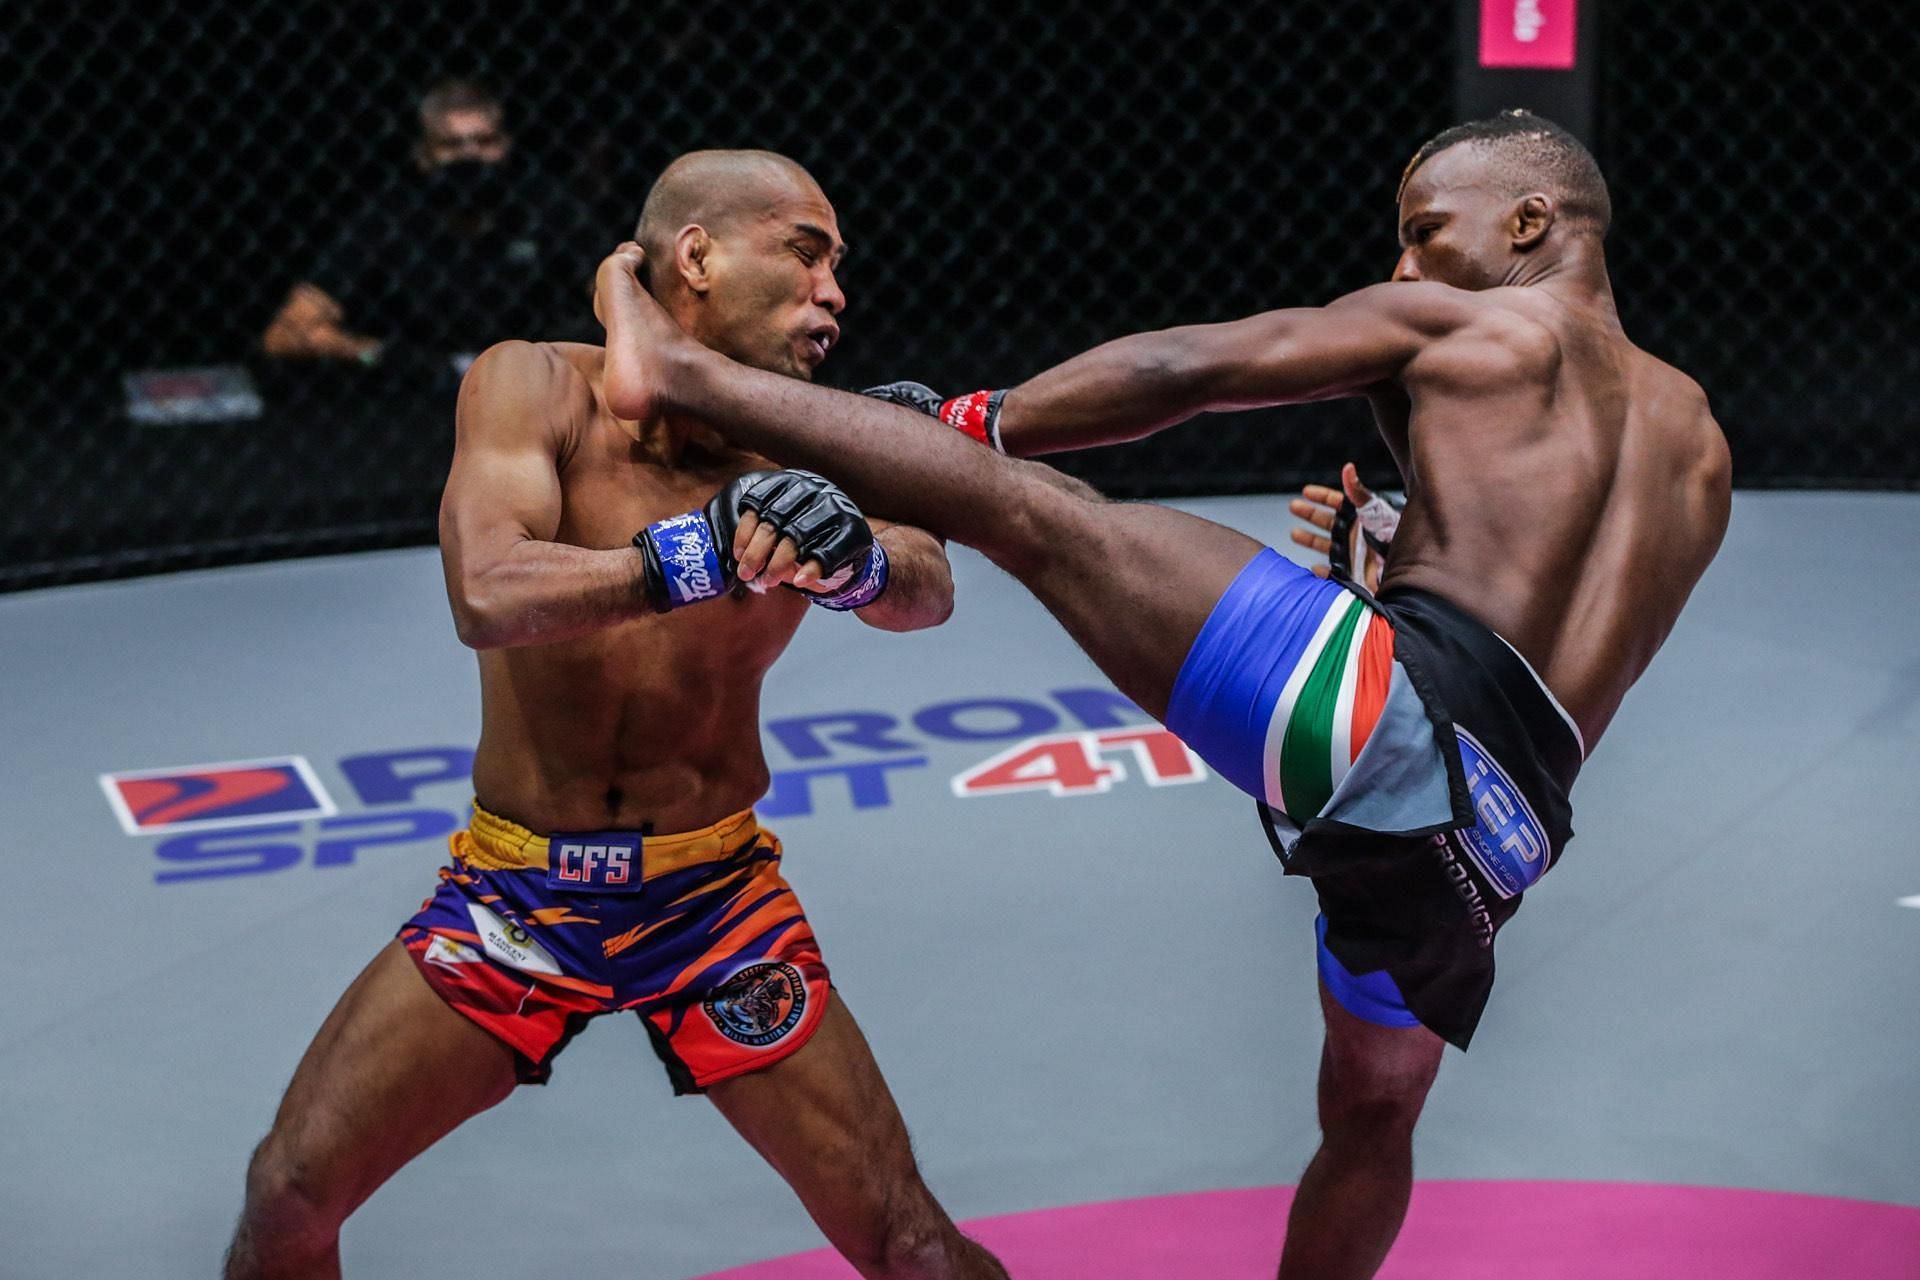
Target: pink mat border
point(1456, 1231)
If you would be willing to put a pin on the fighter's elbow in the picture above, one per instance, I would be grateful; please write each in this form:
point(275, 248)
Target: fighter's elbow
point(937, 611)
point(473, 632)
point(477, 622)
point(901, 621)
point(927, 608)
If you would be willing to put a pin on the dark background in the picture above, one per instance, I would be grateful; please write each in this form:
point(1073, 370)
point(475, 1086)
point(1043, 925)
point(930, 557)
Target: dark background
point(1017, 185)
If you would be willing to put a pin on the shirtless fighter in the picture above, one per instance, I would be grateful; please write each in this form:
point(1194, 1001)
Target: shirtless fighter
point(1413, 752)
point(601, 566)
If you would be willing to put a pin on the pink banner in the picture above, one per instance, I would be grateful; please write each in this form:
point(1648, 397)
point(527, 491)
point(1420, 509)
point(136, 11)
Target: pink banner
point(1527, 33)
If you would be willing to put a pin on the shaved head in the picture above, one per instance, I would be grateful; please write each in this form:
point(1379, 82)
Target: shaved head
point(1524, 153)
point(741, 248)
point(716, 189)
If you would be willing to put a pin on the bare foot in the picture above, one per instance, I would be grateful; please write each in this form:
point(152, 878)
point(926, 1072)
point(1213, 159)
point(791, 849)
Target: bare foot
point(641, 338)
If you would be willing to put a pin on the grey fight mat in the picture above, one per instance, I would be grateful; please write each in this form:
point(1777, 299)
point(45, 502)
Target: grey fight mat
point(1077, 998)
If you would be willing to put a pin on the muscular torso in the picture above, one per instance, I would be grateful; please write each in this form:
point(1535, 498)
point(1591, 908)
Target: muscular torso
point(653, 721)
point(1564, 487)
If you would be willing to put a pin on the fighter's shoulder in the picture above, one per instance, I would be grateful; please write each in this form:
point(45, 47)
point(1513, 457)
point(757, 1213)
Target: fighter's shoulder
point(1430, 314)
point(1465, 334)
point(1683, 403)
point(1434, 309)
point(1528, 319)
point(518, 365)
point(520, 386)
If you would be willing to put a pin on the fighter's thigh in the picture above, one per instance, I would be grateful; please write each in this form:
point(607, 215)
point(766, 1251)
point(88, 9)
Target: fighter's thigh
point(1371, 1069)
point(392, 1070)
point(825, 1120)
point(1133, 583)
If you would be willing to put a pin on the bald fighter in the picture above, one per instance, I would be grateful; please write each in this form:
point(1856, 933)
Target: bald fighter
point(627, 580)
point(1411, 752)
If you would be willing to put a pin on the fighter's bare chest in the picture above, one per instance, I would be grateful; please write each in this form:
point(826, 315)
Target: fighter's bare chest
point(605, 501)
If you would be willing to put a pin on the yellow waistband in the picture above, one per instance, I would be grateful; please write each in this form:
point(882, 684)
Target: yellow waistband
point(493, 843)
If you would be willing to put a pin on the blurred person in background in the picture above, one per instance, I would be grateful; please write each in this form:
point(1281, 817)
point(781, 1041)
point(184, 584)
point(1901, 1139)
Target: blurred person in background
point(472, 247)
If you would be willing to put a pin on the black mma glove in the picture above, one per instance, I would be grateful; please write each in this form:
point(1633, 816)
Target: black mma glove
point(689, 558)
point(824, 525)
point(976, 414)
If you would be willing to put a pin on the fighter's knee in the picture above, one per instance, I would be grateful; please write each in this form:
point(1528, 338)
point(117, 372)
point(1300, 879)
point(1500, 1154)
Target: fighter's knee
point(1372, 1117)
point(286, 1203)
point(1374, 1100)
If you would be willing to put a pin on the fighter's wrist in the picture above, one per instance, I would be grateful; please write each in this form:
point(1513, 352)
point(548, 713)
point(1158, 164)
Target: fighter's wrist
point(977, 415)
point(974, 415)
point(1379, 519)
point(682, 562)
point(867, 583)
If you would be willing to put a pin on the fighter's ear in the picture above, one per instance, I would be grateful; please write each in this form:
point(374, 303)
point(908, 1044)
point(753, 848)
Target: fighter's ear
point(1531, 219)
point(692, 249)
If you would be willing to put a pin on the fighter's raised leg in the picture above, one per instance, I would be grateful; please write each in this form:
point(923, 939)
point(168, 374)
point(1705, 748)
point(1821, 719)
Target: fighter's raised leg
point(1132, 584)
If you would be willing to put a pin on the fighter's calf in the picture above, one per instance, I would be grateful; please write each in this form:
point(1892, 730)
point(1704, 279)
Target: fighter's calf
point(1039, 516)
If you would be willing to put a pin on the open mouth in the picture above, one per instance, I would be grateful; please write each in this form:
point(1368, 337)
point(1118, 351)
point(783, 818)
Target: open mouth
point(821, 341)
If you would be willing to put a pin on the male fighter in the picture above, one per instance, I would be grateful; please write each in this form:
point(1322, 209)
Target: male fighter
point(1412, 753)
point(601, 565)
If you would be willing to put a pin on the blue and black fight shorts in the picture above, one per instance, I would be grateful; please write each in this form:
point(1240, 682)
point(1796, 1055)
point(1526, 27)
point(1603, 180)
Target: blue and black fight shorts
point(1405, 757)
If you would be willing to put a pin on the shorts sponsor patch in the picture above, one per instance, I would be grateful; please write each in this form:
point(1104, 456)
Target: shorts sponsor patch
point(600, 861)
point(1509, 844)
point(760, 1004)
point(510, 944)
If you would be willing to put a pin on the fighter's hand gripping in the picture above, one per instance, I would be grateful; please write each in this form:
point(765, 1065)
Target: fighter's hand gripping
point(797, 527)
point(1359, 526)
point(772, 527)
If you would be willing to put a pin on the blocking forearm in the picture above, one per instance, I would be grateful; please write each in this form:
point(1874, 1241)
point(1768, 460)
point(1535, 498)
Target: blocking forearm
point(541, 592)
point(919, 590)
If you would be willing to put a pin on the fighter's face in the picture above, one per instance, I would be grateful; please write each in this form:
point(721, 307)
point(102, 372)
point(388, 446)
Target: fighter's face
point(773, 297)
point(1455, 224)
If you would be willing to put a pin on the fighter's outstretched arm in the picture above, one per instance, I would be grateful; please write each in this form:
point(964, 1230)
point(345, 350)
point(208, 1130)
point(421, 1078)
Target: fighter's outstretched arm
point(1132, 387)
point(896, 461)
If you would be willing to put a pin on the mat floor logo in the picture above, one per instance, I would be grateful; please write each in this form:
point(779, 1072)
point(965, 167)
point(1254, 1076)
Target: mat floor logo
point(254, 817)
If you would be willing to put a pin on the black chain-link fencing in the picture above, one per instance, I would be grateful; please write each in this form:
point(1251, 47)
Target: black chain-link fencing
point(1762, 159)
point(1018, 181)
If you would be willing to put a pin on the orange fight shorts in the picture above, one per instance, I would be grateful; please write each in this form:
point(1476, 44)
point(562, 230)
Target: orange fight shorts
point(531, 936)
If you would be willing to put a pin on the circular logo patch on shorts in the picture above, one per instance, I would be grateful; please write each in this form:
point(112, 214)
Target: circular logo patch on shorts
point(759, 1004)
